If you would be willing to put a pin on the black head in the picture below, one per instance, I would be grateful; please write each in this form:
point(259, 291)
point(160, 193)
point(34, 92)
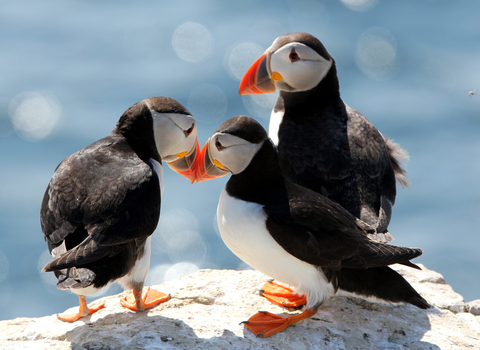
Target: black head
point(244, 127)
point(302, 38)
point(161, 128)
point(165, 105)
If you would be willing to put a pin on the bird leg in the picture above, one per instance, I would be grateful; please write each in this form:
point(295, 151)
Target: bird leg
point(83, 311)
point(282, 296)
point(264, 324)
point(138, 301)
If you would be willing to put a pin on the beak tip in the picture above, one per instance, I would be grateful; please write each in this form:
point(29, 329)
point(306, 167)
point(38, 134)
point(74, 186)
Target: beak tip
point(186, 165)
point(257, 79)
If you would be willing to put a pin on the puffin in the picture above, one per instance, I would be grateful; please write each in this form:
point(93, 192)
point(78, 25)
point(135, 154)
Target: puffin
point(293, 234)
point(324, 144)
point(103, 203)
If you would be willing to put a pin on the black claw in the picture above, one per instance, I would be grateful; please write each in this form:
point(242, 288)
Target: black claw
point(261, 290)
point(244, 322)
point(263, 312)
point(270, 280)
point(259, 335)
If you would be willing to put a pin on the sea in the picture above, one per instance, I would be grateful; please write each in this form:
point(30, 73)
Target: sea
point(69, 69)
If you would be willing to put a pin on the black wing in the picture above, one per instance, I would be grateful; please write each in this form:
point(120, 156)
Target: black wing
point(341, 155)
point(317, 230)
point(99, 199)
point(372, 159)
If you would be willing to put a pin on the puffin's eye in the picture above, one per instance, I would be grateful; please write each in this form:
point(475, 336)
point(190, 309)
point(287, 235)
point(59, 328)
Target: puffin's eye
point(189, 130)
point(218, 145)
point(293, 56)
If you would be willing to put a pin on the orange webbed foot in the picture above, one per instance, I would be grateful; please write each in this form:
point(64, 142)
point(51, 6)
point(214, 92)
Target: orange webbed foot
point(83, 311)
point(264, 324)
point(282, 296)
point(142, 301)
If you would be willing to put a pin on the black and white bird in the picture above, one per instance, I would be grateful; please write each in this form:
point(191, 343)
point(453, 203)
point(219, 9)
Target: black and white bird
point(103, 203)
point(323, 144)
point(293, 234)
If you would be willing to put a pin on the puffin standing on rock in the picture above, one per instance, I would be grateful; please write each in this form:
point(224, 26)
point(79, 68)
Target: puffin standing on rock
point(103, 203)
point(323, 144)
point(292, 233)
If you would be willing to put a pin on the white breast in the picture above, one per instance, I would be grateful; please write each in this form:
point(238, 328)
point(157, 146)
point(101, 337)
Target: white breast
point(275, 121)
point(158, 167)
point(138, 274)
point(242, 227)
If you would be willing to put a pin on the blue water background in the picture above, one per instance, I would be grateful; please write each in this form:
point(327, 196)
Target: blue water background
point(88, 61)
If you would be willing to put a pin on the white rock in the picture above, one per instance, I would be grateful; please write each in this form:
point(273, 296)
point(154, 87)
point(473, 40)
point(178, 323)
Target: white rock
point(431, 285)
point(474, 307)
point(207, 307)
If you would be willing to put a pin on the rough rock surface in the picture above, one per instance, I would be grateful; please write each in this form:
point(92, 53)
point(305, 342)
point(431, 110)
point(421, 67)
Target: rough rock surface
point(207, 306)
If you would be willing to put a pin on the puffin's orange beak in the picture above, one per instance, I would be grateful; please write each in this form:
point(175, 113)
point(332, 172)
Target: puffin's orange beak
point(186, 165)
point(205, 167)
point(257, 78)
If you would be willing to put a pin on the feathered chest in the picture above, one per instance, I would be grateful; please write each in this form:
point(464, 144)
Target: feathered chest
point(319, 145)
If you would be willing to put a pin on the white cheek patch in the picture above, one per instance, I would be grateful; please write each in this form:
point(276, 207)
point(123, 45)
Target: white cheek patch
point(237, 153)
point(311, 74)
point(169, 134)
point(302, 74)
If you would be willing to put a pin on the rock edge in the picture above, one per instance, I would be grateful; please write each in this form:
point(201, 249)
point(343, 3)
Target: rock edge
point(207, 307)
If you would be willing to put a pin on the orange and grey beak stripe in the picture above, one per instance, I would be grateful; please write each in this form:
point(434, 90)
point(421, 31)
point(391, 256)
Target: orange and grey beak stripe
point(205, 167)
point(257, 79)
point(186, 165)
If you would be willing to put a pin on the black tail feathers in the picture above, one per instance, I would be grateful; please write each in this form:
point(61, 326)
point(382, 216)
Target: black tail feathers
point(380, 282)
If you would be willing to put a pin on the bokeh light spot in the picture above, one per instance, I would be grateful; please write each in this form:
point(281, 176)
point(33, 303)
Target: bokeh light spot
point(157, 274)
point(207, 103)
point(376, 54)
point(260, 105)
point(171, 222)
point(179, 270)
point(187, 246)
point(240, 57)
point(359, 5)
point(35, 116)
point(192, 42)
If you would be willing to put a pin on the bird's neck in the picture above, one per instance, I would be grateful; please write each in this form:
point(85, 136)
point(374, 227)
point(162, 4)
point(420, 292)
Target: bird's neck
point(262, 181)
point(306, 103)
point(137, 131)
